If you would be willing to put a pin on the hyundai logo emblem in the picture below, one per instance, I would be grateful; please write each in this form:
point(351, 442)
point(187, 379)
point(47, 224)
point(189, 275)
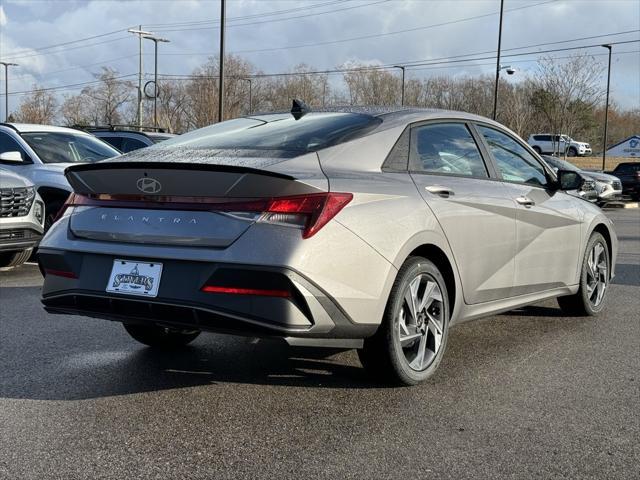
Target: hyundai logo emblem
point(149, 185)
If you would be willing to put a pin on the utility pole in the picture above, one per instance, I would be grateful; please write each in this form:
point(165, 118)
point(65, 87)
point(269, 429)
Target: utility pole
point(402, 87)
point(495, 92)
point(221, 73)
point(606, 111)
point(6, 87)
point(140, 34)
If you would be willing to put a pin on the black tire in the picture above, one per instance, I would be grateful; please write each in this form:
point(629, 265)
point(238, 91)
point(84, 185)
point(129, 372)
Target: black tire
point(582, 302)
point(537, 149)
point(382, 354)
point(161, 337)
point(572, 152)
point(13, 259)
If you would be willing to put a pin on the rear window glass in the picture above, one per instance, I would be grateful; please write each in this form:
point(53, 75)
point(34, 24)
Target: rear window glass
point(310, 133)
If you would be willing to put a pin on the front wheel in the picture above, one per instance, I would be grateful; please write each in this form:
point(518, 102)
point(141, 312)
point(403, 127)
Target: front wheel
point(572, 152)
point(161, 337)
point(411, 340)
point(13, 259)
point(594, 280)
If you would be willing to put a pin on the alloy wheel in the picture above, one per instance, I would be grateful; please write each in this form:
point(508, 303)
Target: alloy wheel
point(597, 274)
point(421, 322)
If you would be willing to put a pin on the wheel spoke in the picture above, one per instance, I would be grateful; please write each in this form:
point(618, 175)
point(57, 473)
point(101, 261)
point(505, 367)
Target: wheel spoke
point(418, 361)
point(407, 340)
point(411, 298)
point(427, 296)
point(436, 331)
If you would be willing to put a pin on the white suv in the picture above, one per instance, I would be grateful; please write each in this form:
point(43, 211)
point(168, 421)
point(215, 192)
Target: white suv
point(21, 218)
point(546, 143)
point(41, 153)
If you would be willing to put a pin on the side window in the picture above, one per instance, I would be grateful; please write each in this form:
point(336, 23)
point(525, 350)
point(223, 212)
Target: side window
point(130, 144)
point(514, 161)
point(113, 141)
point(8, 144)
point(445, 148)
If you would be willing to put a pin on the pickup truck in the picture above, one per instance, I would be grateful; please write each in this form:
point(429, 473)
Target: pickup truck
point(629, 174)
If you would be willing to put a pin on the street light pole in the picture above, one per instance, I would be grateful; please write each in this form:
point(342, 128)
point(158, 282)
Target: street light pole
point(495, 92)
point(6, 87)
point(141, 33)
point(221, 73)
point(606, 111)
point(156, 89)
point(402, 90)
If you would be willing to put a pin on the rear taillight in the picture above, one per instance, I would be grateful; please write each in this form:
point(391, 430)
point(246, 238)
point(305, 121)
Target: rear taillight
point(309, 212)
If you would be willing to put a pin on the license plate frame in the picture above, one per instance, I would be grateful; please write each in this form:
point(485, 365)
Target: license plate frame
point(134, 277)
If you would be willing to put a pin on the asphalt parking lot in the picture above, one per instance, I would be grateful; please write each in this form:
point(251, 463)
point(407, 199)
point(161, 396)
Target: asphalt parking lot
point(528, 394)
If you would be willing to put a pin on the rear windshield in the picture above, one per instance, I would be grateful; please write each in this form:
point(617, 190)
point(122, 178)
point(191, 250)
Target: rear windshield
point(64, 147)
point(310, 133)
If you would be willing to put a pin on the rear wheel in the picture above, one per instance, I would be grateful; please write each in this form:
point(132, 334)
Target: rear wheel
point(537, 149)
point(161, 337)
point(594, 280)
point(411, 340)
point(13, 259)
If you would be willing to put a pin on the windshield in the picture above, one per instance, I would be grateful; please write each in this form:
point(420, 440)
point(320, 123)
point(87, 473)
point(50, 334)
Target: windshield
point(310, 133)
point(561, 164)
point(65, 147)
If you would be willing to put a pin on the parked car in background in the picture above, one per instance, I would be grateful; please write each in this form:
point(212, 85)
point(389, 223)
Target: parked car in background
point(608, 188)
point(126, 139)
point(42, 152)
point(21, 218)
point(554, 144)
point(629, 174)
point(369, 228)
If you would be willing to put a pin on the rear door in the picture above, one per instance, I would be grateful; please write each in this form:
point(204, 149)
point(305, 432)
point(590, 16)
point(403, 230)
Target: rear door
point(472, 207)
point(548, 221)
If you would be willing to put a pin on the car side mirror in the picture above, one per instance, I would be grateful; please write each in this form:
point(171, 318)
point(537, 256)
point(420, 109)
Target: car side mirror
point(11, 157)
point(569, 180)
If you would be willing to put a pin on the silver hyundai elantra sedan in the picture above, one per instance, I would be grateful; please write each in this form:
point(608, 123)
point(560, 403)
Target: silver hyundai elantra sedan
point(375, 229)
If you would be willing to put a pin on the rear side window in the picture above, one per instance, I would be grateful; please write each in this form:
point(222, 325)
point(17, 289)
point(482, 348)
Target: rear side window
point(445, 148)
point(542, 138)
point(310, 133)
point(130, 144)
point(113, 141)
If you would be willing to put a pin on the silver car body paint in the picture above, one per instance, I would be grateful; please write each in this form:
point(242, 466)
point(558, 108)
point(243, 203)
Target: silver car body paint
point(502, 254)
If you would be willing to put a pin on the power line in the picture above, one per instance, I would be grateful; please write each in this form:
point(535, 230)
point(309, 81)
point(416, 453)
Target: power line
point(418, 63)
point(69, 48)
point(164, 30)
point(397, 32)
point(247, 17)
point(64, 87)
point(411, 65)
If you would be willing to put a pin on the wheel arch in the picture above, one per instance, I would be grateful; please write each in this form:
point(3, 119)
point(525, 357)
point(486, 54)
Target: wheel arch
point(603, 230)
point(441, 260)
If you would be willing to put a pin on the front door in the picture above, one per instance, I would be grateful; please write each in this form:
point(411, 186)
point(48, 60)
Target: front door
point(548, 221)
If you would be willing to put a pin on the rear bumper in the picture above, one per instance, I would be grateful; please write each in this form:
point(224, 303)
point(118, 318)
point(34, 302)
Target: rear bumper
point(309, 312)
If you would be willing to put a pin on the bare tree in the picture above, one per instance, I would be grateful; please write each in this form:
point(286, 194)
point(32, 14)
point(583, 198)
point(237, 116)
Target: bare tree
point(77, 110)
point(109, 97)
point(40, 106)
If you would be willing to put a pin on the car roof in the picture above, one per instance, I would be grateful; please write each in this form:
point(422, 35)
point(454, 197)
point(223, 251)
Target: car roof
point(34, 127)
point(392, 115)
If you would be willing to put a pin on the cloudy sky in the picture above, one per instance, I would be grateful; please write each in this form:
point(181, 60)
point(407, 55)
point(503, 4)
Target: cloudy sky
point(278, 34)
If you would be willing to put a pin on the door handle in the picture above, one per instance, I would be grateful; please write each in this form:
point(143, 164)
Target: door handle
point(527, 202)
point(439, 190)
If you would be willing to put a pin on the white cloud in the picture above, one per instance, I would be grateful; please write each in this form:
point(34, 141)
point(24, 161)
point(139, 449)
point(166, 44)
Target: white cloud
point(57, 22)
